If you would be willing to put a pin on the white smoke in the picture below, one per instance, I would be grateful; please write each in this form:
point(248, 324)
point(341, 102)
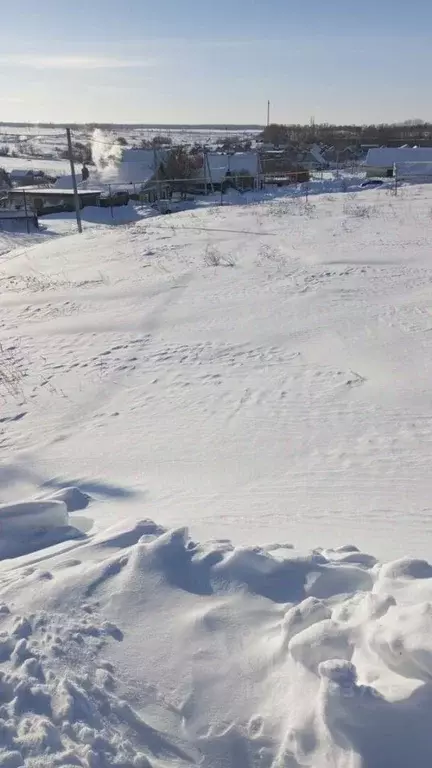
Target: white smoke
point(107, 153)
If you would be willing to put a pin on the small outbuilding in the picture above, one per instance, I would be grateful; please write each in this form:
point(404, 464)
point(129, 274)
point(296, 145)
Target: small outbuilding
point(12, 220)
point(43, 200)
point(29, 177)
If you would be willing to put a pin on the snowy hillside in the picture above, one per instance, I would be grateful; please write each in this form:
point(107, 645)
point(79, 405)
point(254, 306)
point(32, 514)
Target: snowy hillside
point(259, 375)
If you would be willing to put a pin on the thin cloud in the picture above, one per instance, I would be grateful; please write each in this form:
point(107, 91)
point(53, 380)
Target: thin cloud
point(73, 62)
point(10, 100)
point(194, 43)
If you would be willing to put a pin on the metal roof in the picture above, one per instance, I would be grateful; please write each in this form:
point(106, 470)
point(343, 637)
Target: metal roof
point(54, 192)
point(385, 156)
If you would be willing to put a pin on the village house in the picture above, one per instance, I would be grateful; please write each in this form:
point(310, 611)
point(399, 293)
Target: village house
point(408, 162)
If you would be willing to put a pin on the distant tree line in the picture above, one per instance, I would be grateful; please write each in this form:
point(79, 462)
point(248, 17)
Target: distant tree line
point(156, 142)
point(393, 134)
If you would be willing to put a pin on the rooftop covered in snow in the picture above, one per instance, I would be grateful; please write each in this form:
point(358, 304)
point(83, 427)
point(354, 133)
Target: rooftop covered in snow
point(382, 157)
point(139, 165)
point(52, 191)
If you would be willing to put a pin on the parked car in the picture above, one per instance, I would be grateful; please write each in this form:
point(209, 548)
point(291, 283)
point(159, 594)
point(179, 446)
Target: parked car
point(373, 183)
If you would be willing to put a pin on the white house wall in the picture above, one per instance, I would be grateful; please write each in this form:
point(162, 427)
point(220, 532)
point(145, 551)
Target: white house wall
point(220, 163)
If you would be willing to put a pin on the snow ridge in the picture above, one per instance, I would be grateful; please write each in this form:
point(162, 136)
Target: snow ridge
point(269, 656)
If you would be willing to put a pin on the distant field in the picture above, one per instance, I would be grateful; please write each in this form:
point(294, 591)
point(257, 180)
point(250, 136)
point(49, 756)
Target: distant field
point(48, 139)
point(57, 167)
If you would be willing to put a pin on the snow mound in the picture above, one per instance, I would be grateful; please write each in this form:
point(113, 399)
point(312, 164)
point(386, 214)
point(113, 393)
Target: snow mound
point(32, 516)
point(74, 499)
point(149, 648)
point(31, 525)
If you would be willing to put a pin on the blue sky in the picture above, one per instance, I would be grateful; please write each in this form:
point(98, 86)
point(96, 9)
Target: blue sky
point(215, 61)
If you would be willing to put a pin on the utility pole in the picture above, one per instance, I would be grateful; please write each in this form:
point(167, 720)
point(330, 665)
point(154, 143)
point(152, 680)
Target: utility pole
point(268, 113)
point(74, 181)
point(156, 167)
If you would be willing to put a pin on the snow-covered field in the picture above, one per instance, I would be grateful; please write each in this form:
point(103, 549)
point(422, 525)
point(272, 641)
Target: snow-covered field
point(255, 380)
point(49, 166)
point(52, 225)
point(40, 148)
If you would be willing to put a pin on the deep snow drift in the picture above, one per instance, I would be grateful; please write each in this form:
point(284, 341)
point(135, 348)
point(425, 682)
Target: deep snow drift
point(259, 375)
point(143, 647)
